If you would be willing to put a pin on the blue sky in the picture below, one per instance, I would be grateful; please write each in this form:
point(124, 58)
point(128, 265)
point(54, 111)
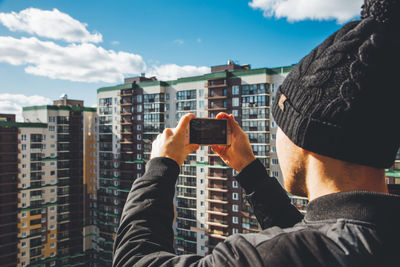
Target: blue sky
point(108, 40)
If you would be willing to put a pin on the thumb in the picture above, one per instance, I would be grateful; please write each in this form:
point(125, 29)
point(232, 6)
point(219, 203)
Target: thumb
point(192, 147)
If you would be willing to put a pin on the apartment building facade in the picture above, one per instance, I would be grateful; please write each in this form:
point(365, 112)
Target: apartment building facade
point(57, 185)
point(209, 204)
point(8, 190)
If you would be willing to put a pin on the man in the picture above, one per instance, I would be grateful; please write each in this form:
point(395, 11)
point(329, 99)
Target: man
point(336, 113)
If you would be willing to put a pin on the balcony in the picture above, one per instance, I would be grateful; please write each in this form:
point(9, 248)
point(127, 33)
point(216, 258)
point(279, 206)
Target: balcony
point(217, 211)
point(218, 199)
point(219, 234)
point(216, 83)
point(218, 189)
point(218, 107)
point(126, 92)
point(217, 178)
point(218, 223)
point(186, 194)
point(126, 103)
point(125, 121)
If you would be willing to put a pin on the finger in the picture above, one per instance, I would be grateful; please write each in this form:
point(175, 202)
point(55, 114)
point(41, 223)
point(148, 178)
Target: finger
point(191, 148)
point(168, 132)
point(234, 124)
point(184, 123)
point(222, 115)
point(220, 150)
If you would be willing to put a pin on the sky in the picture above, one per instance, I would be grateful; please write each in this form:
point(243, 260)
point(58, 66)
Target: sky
point(52, 47)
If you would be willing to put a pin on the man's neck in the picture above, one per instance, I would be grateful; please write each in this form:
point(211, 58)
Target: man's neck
point(326, 175)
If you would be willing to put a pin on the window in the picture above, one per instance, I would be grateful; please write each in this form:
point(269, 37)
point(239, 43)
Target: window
point(202, 203)
point(235, 102)
point(52, 172)
point(201, 214)
point(139, 117)
point(23, 214)
point(23, 147)
point(201, 104)
point(52, 119)
point(139, 108)
point(201, 92)
point(53, 245)
point(23, 244)
point(235, 113)
point(139, 146)
point(235, 196)
point(139, 166)
point(23, 195)
point(24, 226)
point(139, 137)
point(53, 145)
point(201, 192)
point(235, 219)
point(275, 162)
point(23, 137)
point(139, 127)
point(52, 163)
point(201, 181)
point(23, 166)
point(235, 89)
point(52, 136)
point(235, 231)
point(275, 174)
point(139, 98)
point(52, 209)
point(52, 128)
point(235, 208)
point(235, 184)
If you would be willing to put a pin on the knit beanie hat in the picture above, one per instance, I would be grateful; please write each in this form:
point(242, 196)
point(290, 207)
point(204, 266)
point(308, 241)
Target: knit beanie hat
point(343, 99)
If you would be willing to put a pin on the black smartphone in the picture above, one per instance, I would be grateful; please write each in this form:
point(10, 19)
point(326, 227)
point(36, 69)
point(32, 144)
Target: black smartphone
point(209, 132)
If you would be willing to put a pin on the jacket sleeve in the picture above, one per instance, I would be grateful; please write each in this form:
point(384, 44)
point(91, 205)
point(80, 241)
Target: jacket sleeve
point(270, 202)
point(145, 235)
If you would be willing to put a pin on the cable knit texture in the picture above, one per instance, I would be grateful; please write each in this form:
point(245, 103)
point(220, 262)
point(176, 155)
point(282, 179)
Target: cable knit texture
point(342, 98)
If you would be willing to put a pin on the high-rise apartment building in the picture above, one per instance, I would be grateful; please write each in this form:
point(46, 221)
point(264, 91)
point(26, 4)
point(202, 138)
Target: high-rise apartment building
point(70, 147)
point(209, 203)
point(8, 190)
point(49, 186)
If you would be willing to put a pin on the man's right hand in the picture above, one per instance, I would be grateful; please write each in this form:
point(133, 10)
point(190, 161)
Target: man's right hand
point(239, 153)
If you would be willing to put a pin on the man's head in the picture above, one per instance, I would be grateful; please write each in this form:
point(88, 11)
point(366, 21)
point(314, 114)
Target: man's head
point(341, 100)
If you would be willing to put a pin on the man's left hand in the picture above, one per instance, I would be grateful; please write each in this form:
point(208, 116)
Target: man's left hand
point(171, 143)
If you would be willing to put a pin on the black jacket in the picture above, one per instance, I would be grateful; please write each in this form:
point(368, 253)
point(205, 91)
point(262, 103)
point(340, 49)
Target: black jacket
point(343, 229)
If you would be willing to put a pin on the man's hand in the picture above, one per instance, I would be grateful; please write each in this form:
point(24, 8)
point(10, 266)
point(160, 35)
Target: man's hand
point(171, 143)
point(239, 154)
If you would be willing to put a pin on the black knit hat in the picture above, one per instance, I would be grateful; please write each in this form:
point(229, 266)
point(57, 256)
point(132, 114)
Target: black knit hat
point(343, 99)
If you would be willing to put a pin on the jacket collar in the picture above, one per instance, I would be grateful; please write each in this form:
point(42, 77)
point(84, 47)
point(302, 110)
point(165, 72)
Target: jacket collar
point(372, 207)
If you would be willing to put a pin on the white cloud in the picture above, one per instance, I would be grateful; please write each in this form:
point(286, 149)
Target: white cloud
point(296, 10)
point(50, 24)
point(179, 42)
point(115, 43)
point(10, 103)
point(199, 40)
point(172, 71)
point(75, 62)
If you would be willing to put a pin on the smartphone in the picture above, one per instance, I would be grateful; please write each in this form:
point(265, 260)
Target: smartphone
point(209, 132)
